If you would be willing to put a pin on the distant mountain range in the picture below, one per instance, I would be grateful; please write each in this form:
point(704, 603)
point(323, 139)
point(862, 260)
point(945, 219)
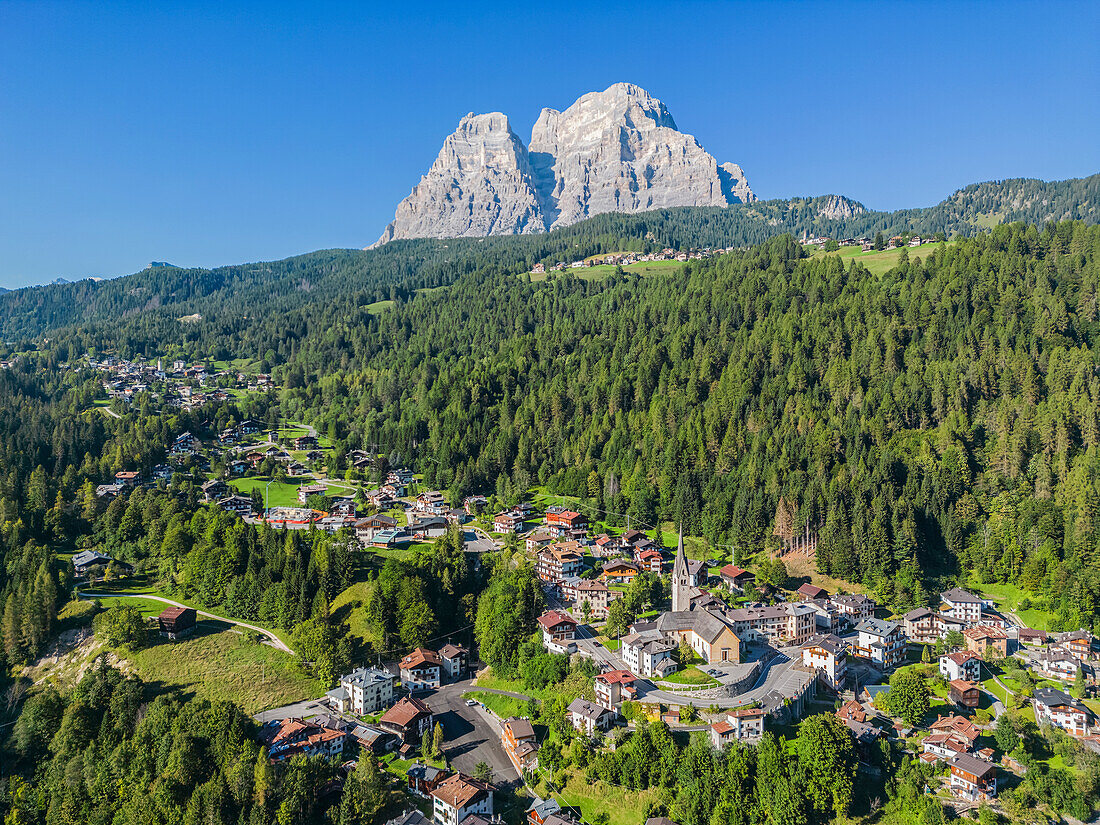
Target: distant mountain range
point(618, 150)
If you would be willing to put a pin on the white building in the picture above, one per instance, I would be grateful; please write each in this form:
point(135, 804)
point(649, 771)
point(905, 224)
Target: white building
point(648, 653)
point(962, 605)
point(961, 664)
point(459, 796)
point(1061, 710)
point(880, 641)
point(828, 654)
point(364, 690)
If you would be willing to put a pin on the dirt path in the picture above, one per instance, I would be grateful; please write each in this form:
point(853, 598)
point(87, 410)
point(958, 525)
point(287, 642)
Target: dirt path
point(272, 639)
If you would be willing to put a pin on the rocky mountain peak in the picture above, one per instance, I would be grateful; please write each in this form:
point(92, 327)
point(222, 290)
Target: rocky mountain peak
point(618, 150)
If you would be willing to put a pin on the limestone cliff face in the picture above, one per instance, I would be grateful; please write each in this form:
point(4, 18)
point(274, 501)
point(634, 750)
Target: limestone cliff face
point(612, 151)
point(480, 184)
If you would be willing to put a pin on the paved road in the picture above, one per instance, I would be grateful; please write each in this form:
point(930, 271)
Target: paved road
point(271, 638)
point(471, 734)
point(110, 412)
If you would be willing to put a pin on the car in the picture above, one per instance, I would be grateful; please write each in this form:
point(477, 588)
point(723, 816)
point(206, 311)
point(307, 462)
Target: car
point(471, 702)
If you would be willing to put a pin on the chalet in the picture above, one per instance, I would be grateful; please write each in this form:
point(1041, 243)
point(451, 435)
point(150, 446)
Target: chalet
point(407, 720)
point(456, 515)
point(183, 445)
point(881, 642)
point(1079, 644)
point(364, 690)
point(746, 724)
point(852, 710)
point(536, 541)
point(944, 745)
point(963, 692)
point(255, 459)
point(650, 560)
point(828, 654)
point(558, 632)
point(566, 521)
point(432, 502)
point(423, 779)
point(87, 559)
point(176, 622)
point(458, 797)
point(556, 562)
point(375, 740)
point(366, 528)
point(127, 478)
point(228, 436)
point(982, 638)
point(236, 467)
point(959, 726)
point(214, 490)
point(697, 574)
point(307, 490)
point(474, 505)
point(306, 442)
point(1057, 664)
point(162, 472)
point(972, 778)
point(735, 578)
point(962, 605)
point(854, 607)
point(615, 687)
point(589, 717)
point(961, 664)
point(648, 653)
point(1061, 710)
point(248, 427)
point(619, 572)
point(108, 490)
point(596, 595)
point(550, 812)
point(518, 738)
point(286, 738)
point(421, 670)
point(427, 527)
point(507, 522)
point(236, 504)
point(295, 469)
point(921, 626)
point(381, 498)
point(1031, 638)
point(455, 660)
point(811, 591)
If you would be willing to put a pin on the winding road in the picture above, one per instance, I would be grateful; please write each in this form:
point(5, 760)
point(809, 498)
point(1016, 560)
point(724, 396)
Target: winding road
point(271, 638)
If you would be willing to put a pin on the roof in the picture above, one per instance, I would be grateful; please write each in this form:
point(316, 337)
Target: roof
point(829, 642)
point(972, 765)
point(449, 651)
point(746, 713)
point(460, 790)
point(984, 631)
point(89, 557)
point(876, 627)
point(732, 571)
point(918, 613)
point(521, 728)
point(624, 677)
point(956, 595)
point(405, 712)
point(963, 685)
point(961, 657)
point(589, 710)
point(812, 591)
point(413, 817)
point(552, 618)
point(421, 657)
point(702, 622)
point(1052, 697)
point(175, 612)
point(722, 728)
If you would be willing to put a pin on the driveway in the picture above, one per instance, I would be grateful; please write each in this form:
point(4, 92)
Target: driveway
point(470, 734)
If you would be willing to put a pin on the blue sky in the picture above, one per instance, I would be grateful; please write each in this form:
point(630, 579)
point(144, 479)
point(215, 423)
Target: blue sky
point(215, 133)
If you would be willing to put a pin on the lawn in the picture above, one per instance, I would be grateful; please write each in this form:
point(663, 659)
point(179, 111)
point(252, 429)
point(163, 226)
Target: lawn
point(878, 262)
point(218, 663)
point(502, 706)
point(622, 806)
point(493, 682)
point(1008, 597)
point(690, 676)
point(278, 494)
point(351, 606)
point(378, 307)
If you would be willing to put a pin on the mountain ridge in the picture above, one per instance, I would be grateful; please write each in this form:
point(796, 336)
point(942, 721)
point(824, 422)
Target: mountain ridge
point(618, 150)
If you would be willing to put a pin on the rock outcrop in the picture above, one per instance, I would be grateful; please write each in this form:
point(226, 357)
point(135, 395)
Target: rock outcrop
point(613, 151)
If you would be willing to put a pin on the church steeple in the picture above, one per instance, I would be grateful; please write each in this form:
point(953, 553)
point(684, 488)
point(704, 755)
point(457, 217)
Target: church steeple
point(681, 578)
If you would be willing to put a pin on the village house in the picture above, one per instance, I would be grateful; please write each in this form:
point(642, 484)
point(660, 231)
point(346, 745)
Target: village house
point(127, 478)
point(286, 738)
point(407, 720)
point(615, 687)
point(962, 664)
point(558, 632)
point(596, 595)
point(421, 670)
point(1079, 644)
point(618, 572)
point(533, 542)
point(214, 490)
point(423, 779)
point(518, 738)
point(808, 591)
point(741, 725)
point(367, 528)
point(1057, 708)
point(307, 490)
point(85, 560)
point(648, 653)
point(854, 607)
point(455, 660)
point(507, 522)
point(558, 561)
point(881, 642)
point(364, 690)
point(460, 796)
point(962, 605)
point(736, 578)
point(474, 505)
point(972, 778)
point(431, 502)
point(921, 626)
point(780, 624)
point(589, 717)
point(984, 637)
point(240, 505)
point(651, 560)
point(176, 622)
point(1056, 664)
point(1030, 637)
point(828, 654)
point(964, 693)
point(560, 522)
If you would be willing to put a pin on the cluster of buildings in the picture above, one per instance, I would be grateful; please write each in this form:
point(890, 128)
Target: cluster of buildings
point(868, 244)
point(628, 258)
point(178, 384)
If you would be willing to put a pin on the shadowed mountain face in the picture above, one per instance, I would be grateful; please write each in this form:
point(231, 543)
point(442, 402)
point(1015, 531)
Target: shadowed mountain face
point(612, 151)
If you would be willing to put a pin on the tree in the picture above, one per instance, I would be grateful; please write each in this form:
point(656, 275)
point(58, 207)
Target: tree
point(483, 773)
point(426, 744)
point(828, 756)
point(437, 740)
point(880, 241)
point(122, 625)
point(925, 656)
point(618, 618)
point(1004, 732)
point(586, 611)
point(1079, 684)
point(908, 697)
point(831, 245)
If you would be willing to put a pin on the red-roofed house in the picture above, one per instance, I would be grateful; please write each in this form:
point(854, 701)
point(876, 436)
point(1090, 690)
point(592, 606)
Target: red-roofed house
point(735, 577)
point(558, 631)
